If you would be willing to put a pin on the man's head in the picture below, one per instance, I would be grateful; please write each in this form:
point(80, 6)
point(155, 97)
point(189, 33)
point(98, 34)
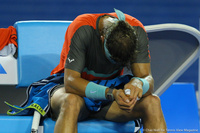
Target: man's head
point(120, 42)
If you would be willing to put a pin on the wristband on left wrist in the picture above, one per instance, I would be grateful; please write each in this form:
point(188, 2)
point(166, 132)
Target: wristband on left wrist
point(145, 85)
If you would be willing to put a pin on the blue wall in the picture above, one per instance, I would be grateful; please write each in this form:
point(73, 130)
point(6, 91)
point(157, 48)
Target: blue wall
point(149, 12)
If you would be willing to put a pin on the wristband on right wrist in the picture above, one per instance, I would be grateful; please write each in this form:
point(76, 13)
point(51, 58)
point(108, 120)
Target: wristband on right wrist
point(95, 91)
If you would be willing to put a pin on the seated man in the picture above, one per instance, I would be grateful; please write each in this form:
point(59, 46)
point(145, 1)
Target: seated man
point(98, 47)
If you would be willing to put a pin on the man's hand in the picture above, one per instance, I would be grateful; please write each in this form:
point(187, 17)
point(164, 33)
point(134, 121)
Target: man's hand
point(135, 87)
point(128, 101)
point(122, 100)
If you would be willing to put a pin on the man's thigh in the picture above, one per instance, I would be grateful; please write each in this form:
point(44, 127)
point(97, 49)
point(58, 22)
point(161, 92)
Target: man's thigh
point(57, 98)
point(116, 114)
point(112, 112)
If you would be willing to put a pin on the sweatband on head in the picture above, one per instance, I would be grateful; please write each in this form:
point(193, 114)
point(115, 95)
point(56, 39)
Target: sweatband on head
point(95, 91)
point(120, 16)
point(145, 85)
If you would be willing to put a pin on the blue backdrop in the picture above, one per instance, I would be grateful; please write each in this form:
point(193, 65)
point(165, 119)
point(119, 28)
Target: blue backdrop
point(149, 12)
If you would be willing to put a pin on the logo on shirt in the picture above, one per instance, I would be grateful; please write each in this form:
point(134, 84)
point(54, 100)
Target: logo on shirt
point(70, 60)
point(2, 70)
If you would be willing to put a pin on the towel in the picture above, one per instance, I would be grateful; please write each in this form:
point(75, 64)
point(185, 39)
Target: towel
point(39, 94)
point(7, 36)
point(8, 49)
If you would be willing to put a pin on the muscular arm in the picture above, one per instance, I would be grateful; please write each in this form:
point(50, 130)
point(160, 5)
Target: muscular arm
point(74, 83)
point(141, 67)
point(143, 70)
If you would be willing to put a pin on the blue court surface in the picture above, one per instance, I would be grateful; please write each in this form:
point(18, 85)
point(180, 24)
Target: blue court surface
point(180, 109)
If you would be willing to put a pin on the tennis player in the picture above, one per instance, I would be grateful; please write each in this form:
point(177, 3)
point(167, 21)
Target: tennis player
point(98, 47)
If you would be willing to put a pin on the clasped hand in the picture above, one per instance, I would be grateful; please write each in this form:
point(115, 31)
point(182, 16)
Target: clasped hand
point(127, 101)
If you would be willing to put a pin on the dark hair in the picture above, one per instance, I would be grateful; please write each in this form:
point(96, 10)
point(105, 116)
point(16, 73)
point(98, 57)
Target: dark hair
point(122, 42)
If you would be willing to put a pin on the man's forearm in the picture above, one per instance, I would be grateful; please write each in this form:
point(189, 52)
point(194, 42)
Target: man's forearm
point(77, 85)
point(74, 83)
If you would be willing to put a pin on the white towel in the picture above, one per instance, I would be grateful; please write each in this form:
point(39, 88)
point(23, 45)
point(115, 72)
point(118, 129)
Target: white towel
point(8, 49)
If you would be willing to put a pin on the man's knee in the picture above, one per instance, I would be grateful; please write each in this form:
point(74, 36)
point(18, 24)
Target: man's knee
point(72, 102)
point(153, 100)
point(152, 104)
